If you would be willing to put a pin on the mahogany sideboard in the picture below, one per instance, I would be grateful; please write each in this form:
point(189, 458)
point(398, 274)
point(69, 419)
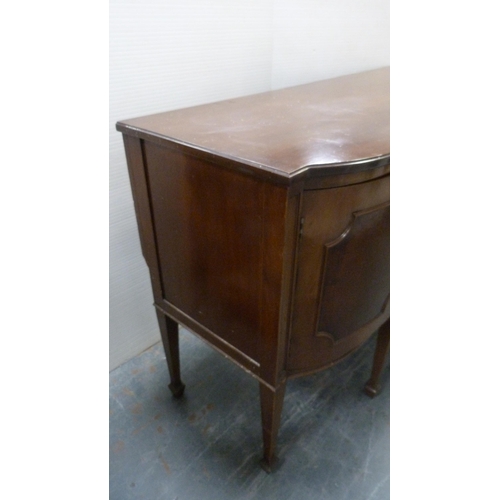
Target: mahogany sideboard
point(264, 221)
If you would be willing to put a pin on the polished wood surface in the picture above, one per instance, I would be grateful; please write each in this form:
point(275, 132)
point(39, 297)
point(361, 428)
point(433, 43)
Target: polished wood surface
point(285, 132)
point(265, 225)
point(201, 274)
point(342, 290)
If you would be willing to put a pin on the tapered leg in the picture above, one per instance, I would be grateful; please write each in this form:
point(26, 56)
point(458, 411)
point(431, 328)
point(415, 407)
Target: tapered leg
point(170, 336)
point(271, 403)
point(372, 387)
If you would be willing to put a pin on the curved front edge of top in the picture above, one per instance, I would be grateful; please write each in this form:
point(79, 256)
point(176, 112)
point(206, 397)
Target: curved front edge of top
point(350, 167)
point(255, 169)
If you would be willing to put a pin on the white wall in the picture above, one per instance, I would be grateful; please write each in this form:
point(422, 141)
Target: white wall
point(168, 54)
point(318, 39)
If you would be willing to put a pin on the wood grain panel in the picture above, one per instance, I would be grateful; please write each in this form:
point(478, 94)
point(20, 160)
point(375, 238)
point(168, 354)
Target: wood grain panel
point(208, 224)
point(355, 274)
point(343, 273)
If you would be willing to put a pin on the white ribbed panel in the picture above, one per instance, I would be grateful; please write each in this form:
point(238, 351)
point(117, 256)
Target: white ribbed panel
point(318, 39)
point(171, 54)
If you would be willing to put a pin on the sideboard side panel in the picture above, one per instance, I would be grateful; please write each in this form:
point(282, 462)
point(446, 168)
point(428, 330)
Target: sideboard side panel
point(209, 233)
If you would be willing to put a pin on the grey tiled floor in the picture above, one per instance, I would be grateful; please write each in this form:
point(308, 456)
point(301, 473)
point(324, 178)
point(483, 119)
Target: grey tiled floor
point(333, 441)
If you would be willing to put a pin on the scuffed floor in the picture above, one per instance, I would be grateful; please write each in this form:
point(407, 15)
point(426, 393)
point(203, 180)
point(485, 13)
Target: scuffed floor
point(333, 441)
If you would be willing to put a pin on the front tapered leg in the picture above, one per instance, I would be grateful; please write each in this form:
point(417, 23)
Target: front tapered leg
point(170, 337)
point(271, 405)
point(372, 387)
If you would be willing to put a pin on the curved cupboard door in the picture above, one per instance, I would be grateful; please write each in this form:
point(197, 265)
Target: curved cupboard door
point(342, 288)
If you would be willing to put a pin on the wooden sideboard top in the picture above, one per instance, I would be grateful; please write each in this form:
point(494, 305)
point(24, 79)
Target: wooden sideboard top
point(329, 124)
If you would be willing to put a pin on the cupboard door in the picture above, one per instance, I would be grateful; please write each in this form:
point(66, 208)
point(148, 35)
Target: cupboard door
point(342, 290)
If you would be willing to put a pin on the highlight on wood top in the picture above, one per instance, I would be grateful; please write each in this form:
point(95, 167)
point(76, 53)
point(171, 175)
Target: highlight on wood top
point(331, 123)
